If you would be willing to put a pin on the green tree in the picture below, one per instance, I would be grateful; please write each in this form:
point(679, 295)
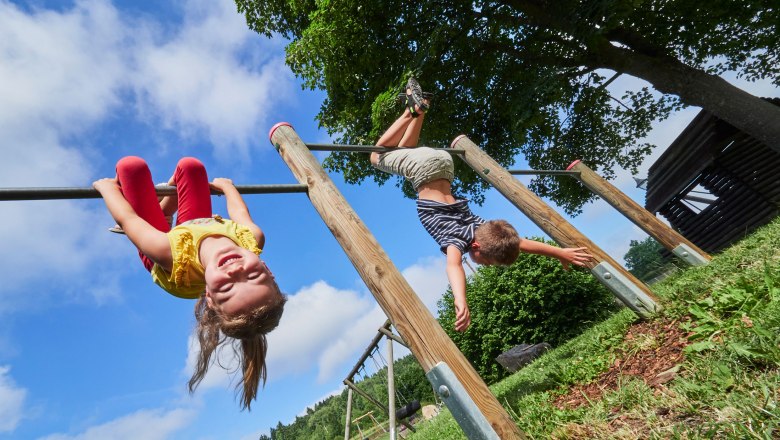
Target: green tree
point(535, 300)
point(521, 76)
point(644, 259)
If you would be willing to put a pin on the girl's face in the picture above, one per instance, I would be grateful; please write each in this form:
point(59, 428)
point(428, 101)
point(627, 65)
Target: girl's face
point(237, 281)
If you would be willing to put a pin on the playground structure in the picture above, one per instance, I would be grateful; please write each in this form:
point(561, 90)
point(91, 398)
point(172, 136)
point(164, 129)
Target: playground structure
point(456, 382)
point(349, 381)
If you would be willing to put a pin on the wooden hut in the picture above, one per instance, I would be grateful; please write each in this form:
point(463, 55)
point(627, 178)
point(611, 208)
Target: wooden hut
point(715, 184)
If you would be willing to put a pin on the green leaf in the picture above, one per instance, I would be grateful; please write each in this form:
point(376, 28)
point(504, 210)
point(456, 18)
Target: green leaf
point(700, 346)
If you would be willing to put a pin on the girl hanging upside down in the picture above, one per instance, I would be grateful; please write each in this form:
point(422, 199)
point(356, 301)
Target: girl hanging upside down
point(203, 257)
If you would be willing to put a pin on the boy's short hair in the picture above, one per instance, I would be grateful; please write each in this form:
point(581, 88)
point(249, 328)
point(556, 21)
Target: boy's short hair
point(498, 241)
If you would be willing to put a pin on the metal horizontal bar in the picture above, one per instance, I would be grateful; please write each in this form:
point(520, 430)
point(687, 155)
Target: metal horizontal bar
point(544, 172)
point(57, 193)
point(368, 148)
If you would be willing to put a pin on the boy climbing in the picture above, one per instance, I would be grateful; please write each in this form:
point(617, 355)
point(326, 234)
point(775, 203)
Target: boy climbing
point(449, 220)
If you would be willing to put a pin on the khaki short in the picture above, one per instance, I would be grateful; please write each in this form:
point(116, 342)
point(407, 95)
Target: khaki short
point(418, 165)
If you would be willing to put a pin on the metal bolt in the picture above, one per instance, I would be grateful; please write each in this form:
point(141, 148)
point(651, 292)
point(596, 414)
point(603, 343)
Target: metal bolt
point(444, 391)
point(685, 254)
point(607, 276)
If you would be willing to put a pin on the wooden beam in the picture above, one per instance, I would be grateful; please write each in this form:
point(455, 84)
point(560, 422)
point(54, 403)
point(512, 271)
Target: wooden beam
point(427, 340)
point(554, 225)
point(666, 236)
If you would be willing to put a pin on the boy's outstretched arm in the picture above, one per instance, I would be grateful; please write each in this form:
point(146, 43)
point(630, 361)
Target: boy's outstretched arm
point(153, 243)
point(578, 256)
point(237, 209)
point(457, 278)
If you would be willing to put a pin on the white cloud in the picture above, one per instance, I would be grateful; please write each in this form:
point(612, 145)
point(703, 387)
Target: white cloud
point(428, 277)
point(197, 83)
point(59, 69)
point(154, 424)
point(11, 401)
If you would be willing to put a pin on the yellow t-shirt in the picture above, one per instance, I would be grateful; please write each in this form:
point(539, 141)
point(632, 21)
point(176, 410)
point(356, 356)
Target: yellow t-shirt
point(186, 278)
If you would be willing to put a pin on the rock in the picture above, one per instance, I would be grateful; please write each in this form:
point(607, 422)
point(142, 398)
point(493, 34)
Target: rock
point(430, 411)
point(521, 355)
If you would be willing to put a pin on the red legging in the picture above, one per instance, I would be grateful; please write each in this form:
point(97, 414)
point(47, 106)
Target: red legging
point(192, 188)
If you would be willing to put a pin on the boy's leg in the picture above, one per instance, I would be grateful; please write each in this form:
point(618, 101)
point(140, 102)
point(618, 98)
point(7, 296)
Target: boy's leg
point(192, 188)
point(135, 180)
point(405, 132)
point(411, 136)
point(392, 136)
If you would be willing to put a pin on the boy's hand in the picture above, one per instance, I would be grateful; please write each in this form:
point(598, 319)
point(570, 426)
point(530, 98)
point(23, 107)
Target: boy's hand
point(106, 183)
point(462, 316)
point(220, 183)
point(578, 256)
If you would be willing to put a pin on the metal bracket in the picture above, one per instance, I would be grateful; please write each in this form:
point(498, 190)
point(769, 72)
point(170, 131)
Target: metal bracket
point(463, 409)
point(690, 256)
point(628, 292)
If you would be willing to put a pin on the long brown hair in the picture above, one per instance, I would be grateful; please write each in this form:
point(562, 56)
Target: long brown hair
point(247, 338)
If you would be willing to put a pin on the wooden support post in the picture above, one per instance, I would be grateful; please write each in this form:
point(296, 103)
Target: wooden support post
point(427, 340)
point(390, 389)
point(668, 237)
point(348, 421)
point(622, 283)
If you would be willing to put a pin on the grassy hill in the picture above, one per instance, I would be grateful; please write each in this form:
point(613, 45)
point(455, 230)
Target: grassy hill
point(706, 367)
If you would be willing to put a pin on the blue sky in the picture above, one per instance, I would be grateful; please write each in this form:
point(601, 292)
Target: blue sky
point(89, 348)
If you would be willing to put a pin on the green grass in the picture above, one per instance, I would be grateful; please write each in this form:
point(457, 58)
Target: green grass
point(728, 385)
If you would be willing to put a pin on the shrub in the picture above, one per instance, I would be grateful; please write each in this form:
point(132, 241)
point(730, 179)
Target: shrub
point(534, 300)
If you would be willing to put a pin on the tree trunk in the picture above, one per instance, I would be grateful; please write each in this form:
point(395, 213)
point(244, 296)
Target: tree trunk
point(754, 116)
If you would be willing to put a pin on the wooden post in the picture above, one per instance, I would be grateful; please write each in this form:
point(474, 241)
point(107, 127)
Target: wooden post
point(622, 283)
point(348, 421)
point(427, 340)
point(668, 237)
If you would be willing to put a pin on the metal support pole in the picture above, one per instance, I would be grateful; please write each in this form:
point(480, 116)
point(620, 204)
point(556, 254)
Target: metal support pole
point(366, 148)
point(348, 421)
point(379, 404)
point(391, 389)
point(634, 294)
point(544, 173)
point(427, 340)
point(668, 237)
point(58, 193)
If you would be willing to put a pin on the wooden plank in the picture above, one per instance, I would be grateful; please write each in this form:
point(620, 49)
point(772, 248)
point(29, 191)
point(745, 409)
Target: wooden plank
point(646, 221)
point(426, 339)
point(549, 221)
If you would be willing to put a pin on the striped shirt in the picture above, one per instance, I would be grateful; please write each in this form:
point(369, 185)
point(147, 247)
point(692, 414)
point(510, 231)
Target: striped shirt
point(449, 224)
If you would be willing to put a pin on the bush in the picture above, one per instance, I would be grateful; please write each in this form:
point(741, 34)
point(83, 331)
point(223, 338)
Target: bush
point(532, 301)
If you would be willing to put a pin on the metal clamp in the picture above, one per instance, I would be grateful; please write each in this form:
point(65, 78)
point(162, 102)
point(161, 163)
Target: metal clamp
point(463, 409)
point(628, 292)
point(690, 256)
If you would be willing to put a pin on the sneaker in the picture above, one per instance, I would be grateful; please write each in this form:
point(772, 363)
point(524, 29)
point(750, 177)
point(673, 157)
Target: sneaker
point(415, 98)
